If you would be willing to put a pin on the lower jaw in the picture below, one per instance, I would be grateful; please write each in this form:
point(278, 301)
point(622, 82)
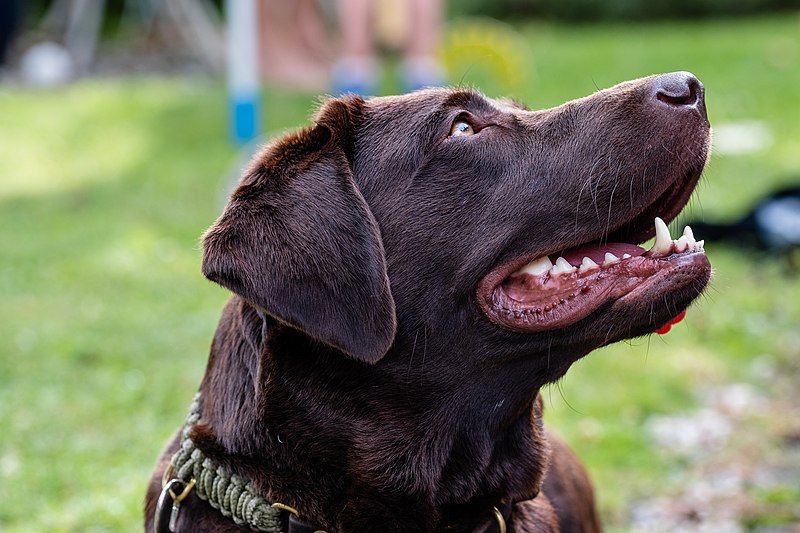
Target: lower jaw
point(578, 295)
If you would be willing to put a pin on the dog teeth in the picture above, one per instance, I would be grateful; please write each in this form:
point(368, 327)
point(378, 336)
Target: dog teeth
point(682, 244)
point(562, 267)
point(689, 234)
point(694, 245)
point(688, 237)
point(536, 267)
point(663, 244)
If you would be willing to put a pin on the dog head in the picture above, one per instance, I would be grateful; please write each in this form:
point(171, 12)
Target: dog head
point(444, 213)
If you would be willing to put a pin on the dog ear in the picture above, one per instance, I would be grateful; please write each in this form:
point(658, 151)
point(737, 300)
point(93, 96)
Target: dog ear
point(298, 240)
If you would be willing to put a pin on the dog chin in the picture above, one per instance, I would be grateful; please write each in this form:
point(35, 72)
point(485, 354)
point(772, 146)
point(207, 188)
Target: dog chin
point(656, 303)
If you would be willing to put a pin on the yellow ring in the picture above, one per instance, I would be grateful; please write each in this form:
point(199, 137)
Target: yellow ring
point(501, 522)
point(167, 473)
point(284, 507)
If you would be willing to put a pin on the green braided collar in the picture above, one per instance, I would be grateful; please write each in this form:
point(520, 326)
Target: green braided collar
point(233, 496)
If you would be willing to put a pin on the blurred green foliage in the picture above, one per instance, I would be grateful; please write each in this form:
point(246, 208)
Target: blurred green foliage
point(586, 10)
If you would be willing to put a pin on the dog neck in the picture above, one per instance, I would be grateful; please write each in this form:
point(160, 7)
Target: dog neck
point(348, 443)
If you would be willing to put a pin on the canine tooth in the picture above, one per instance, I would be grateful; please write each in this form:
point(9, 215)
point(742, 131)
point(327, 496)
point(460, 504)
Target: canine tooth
point(610, 258)
point(536, 267)
point(626, 256)
point(562, 267)
point(682, 244)
point(701, 244)
point(587, 263)
point(663, 244)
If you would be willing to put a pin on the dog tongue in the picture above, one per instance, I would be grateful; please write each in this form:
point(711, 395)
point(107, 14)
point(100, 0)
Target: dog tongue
point(666, 328)
point(597, 252)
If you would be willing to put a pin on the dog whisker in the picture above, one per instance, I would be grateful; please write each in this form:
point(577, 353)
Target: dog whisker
point(559, 385)
point(411, 362)
point(607, 230)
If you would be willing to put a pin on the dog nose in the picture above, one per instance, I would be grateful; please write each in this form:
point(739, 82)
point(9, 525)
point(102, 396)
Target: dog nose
point(679, 89)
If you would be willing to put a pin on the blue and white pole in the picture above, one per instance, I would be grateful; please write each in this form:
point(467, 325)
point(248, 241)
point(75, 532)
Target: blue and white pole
point(244, 90)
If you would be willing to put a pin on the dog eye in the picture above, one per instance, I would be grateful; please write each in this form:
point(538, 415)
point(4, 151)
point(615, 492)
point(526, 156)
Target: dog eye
point(461, 128)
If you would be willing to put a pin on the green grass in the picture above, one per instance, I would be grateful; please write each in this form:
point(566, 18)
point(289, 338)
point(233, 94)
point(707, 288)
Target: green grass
point(106, 186)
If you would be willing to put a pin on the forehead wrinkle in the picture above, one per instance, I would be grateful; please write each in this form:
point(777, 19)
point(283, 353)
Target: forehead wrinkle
point(468, 99)
point(509, 105)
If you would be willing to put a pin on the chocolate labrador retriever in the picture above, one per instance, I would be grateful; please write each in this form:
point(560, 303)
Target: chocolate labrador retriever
point(407, 274)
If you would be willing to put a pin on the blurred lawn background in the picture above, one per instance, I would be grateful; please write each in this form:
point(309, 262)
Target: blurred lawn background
point(107, 184)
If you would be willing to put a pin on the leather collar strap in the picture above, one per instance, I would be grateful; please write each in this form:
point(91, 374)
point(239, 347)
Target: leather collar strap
point(500, 517)
point(495, 520)
point(499, 520)
point(296, 525)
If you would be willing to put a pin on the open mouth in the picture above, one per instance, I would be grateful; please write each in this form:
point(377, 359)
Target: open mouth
point(556, 290)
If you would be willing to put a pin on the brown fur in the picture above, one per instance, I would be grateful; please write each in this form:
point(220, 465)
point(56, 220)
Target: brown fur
point(353, 374)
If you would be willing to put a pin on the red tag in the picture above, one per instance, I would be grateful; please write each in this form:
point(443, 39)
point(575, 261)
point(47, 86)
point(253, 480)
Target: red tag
point(671, 323)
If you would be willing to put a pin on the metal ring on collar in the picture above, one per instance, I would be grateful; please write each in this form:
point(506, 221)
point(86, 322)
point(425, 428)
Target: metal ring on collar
point(501, 522)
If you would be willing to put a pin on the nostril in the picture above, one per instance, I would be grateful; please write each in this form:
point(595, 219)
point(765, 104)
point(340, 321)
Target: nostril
point(679, 89)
